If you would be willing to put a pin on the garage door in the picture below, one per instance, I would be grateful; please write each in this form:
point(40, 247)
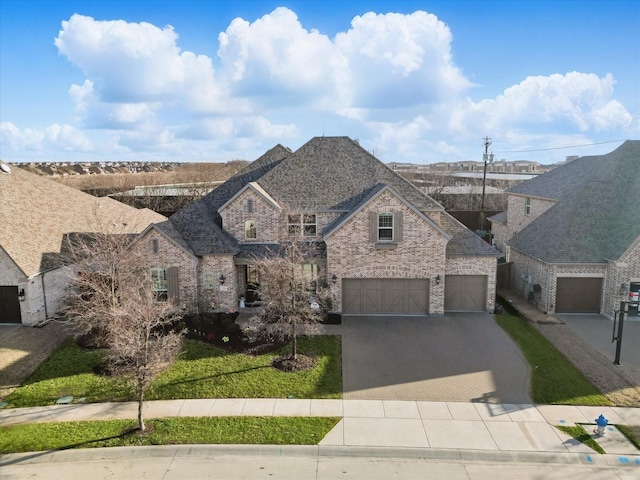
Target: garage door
point(578, 295)
point(465, 293)
point(9, 305)
point(385, 296)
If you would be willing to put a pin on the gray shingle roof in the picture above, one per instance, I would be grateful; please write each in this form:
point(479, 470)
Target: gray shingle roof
point(597, 215)
point(198, 223)
point(332, 173)
point(325, 174)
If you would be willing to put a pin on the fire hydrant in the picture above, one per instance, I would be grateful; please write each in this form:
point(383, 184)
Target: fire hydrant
point(601, 422)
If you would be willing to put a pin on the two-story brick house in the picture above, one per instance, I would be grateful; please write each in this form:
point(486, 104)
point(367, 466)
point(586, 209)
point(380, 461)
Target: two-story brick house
point(383, 246)
point(574, 232)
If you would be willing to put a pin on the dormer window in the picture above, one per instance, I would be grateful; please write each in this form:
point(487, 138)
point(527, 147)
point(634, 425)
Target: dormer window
point(250, 230)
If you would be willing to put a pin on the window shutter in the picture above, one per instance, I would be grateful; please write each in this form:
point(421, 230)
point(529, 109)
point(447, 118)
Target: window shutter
point(397, 226)
point(172, 284)
point(373, 226)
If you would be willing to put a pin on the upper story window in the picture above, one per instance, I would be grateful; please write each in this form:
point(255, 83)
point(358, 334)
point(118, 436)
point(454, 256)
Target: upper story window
point(249, 205)
point(159, 283)
point(154, 245)
point(309, 225)
point(385, 227)
point(527, 206)
point(302, 222)
point(250, 230)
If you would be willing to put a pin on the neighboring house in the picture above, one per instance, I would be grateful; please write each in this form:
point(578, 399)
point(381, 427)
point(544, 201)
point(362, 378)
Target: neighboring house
point(573, 234)
point(36, 216)
point(382, 245)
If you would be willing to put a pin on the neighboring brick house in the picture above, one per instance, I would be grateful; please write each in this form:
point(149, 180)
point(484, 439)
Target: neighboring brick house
point(383, 246)
point(572, 235)
point(36, 215)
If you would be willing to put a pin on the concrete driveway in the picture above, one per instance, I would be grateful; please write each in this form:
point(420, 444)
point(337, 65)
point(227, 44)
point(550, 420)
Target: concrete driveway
point(454, 358)
point(597, 330)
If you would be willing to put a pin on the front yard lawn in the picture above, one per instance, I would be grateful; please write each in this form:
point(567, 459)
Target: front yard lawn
point(202, 371)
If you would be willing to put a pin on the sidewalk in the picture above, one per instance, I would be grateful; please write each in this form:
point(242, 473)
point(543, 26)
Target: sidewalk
point(388, 423)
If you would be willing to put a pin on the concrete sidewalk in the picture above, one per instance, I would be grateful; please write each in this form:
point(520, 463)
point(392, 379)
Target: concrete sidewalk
point(388, 423)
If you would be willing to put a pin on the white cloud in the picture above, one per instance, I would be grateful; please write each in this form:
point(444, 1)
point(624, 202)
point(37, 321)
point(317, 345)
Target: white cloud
point(388, 79)
point(575, 100)
point(55, 137)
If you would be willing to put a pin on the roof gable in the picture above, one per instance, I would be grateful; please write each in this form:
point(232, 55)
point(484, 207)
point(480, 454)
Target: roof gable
point(255, 187)
point(373, 194)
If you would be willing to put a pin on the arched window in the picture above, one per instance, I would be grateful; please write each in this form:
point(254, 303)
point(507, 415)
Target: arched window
point(250, 231)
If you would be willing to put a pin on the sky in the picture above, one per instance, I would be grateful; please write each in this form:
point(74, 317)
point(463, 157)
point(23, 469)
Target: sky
point(412, 81)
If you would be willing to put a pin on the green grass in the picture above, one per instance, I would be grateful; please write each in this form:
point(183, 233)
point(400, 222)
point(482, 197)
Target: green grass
point(554, 379)
point(632, 432)
point(579, 433)
point(202, 371)
point(166, 431)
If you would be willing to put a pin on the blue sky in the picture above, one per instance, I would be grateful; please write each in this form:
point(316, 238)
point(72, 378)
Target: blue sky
point(413, 81)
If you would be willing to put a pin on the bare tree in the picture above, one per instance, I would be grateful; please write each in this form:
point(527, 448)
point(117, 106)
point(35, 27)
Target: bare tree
point(113, 300)
point(289, 290)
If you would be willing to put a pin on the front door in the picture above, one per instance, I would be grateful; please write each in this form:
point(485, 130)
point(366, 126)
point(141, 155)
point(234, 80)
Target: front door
point(251, 281)
point(9, 305)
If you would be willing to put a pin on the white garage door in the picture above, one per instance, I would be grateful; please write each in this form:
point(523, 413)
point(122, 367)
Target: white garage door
point(385, 296)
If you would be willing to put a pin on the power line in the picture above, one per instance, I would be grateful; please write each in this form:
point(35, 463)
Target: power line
point(561, 148)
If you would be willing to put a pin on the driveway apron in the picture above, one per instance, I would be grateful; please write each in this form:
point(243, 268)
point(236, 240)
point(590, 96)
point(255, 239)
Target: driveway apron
point(458, 357)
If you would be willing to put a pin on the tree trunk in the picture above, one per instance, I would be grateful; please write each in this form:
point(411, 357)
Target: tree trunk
point(294, 341)
point(141, 424)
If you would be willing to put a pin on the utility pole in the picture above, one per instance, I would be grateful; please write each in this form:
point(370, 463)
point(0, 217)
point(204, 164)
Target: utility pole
point(486, 157)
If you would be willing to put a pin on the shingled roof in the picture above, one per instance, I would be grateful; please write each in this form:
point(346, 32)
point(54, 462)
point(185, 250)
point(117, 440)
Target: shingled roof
point(38, 213)
point(597, 216)
point(325, 174)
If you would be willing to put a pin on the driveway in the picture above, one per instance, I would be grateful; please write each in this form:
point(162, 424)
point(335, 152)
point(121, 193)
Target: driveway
point(597, 330)
point(455, 358)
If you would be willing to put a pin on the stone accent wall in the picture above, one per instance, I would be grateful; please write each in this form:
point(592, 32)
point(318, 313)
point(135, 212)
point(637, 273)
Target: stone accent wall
point(267, 218)
point(421, 253)
point(475, 266)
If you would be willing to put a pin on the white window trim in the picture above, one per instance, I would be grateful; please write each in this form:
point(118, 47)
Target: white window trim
point(248, 228)
point(386, 228)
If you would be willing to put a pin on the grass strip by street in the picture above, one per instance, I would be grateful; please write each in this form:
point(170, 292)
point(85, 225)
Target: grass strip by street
point(166, 431)
point(632, 432)
point(579, 433)
point(201, 371)
point(555, 380)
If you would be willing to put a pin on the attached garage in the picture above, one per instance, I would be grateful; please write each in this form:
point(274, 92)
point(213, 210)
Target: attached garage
point(400, 296)
point(465, 293)
point(9, 305)
point(578, 295)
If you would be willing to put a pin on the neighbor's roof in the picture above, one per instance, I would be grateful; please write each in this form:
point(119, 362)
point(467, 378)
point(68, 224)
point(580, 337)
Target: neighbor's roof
point(37, 213)
point(597, 215)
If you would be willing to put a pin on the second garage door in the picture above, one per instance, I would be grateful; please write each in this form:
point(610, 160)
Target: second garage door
point(465, 293)
point(578, 295)
point(385, 296)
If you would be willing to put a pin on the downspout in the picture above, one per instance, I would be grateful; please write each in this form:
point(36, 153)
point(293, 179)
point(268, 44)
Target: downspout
point(44, 297)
